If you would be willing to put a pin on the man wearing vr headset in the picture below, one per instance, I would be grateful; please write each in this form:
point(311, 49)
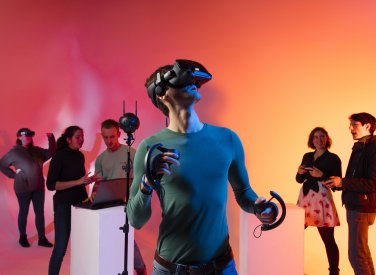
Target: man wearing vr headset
point(193, 234)
point(27, 161)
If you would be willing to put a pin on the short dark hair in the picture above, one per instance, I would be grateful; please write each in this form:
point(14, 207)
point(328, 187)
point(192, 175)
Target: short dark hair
point(109, 123)
point(364, 118)
point(151, 79)
point(319, 129)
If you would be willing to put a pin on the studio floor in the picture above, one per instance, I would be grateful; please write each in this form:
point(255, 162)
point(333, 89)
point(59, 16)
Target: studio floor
point(16, 260)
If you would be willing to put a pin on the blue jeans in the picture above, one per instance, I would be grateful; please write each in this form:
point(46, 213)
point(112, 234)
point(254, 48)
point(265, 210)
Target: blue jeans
point(24, 199)
point(359, 253)
point(62, 222)
point(229, 269)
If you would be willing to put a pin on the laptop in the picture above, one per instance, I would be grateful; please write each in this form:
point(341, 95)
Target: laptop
point(107, 193)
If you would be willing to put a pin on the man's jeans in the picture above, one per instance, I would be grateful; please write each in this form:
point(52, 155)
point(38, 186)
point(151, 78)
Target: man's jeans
point(359, 253)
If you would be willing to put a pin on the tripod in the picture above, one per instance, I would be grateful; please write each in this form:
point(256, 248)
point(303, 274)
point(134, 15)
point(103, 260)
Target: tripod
point(129, 123)
point(125, 228)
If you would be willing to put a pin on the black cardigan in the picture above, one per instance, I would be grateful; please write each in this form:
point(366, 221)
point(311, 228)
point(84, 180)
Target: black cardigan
point(328, 163)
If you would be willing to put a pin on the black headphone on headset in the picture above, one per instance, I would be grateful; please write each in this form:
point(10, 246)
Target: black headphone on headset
point(184, 72)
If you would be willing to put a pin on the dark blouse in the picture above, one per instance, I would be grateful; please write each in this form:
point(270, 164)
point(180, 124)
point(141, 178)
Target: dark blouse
point(67, 165)
point(328, 163)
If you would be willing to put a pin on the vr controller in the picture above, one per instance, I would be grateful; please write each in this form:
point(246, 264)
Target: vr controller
point(184, 72)
point(150, 161)
point(261, 207)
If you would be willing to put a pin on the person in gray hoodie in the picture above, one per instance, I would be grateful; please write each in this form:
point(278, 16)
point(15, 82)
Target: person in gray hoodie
point(24, 164)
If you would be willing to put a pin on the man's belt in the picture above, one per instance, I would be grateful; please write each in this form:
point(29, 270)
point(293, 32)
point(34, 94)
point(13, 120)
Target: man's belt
point(216, 264)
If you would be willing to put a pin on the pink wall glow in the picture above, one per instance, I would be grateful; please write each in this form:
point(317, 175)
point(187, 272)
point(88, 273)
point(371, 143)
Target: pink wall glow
point(279, 70)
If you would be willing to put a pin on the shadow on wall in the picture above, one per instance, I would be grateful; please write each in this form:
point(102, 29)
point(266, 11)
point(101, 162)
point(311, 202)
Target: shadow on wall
point(8, 216)
point(5, 142)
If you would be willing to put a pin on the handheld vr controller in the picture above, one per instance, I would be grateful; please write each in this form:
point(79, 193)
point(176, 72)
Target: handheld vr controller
point(261, 207)
point(150, 161)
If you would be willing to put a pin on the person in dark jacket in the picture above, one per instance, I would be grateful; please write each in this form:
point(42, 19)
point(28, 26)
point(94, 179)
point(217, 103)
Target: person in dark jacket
point(359, 191)
point(24, 164)
point(66, 175)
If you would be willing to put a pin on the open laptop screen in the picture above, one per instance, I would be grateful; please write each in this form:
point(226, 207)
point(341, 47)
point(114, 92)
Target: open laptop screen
point(107, 193)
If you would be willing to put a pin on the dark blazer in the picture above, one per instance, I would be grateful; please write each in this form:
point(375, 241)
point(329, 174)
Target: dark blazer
point(359, 184)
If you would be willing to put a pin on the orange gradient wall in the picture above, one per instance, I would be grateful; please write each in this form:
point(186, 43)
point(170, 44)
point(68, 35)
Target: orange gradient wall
point(279, 70)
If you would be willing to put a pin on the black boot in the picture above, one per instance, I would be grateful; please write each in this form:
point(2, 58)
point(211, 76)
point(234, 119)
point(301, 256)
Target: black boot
point(44, 242)
point(23, 241)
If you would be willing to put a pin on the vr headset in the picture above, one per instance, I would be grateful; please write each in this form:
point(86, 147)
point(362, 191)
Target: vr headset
point(26, 132)
point(183, 73)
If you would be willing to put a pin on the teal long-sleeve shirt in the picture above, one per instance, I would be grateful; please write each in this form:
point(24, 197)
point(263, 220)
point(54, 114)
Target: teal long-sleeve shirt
point(193, 198)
